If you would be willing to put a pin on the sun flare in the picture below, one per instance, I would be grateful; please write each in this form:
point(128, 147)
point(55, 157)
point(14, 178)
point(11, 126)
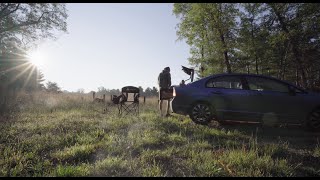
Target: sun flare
point(36, 58)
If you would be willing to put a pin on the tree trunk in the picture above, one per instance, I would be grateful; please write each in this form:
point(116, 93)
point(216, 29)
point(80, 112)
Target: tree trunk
point(225, 50)
point(202, 60)
point(284, 62)
point(284, 70)
point(297, 77)
point(257, 65)
point(253, 45)
point(226, 61)
point(279, 75)
point(300, 66)
point(225, 53)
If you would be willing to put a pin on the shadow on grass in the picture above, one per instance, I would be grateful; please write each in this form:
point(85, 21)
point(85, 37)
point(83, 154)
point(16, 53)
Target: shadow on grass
point(298, 143)
point(295, 135)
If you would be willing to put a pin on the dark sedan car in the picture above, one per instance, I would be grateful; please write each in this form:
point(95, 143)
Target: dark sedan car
point(247, 97)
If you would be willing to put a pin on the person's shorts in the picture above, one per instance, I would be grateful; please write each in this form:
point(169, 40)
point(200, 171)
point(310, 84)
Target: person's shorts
point(165, 94)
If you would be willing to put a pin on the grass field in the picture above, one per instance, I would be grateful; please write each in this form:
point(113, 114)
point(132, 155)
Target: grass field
point(68, 135)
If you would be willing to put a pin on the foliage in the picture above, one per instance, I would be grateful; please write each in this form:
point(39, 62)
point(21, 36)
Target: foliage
point(210, 31)
point(53, 87)
point(81, 91)
point(150, 92)
point(22, 24)
point(147, 92)
point(280, 40)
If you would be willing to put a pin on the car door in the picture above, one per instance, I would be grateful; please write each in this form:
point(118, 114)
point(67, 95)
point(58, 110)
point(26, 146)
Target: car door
point(230, 98)
point(271, 98)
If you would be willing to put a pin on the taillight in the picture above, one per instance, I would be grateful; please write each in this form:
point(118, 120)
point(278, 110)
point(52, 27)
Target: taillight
point(174, 92)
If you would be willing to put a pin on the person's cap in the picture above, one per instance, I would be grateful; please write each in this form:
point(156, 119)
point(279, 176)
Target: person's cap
point(167, 68)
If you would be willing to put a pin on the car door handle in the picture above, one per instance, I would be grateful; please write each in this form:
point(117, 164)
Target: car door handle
point(216, 92)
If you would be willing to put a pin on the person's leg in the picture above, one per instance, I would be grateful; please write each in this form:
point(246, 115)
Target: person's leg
point(160, 101)
point(160, 106)
point(168, 108)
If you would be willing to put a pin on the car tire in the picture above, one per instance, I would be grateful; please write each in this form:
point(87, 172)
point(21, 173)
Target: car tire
point(313, 120)
point(201, 113)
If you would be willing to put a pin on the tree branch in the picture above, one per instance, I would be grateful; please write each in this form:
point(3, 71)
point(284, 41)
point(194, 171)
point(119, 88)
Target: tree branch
point(2, 10)
point(32, 22)
point(2, 16)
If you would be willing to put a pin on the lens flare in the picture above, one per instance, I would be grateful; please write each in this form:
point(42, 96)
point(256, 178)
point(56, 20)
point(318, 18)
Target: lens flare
point(36, 58)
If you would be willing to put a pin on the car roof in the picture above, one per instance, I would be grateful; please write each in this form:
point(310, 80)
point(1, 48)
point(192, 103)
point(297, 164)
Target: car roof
point(198, 82)
point(236, 74)
point(246, 74)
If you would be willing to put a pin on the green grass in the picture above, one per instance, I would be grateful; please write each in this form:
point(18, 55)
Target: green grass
point(249, 163)
point(61, 135)
point(316, 151)
point(71, 170)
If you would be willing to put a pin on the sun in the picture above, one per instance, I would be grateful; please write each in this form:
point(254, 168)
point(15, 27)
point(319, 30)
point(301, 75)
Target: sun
point(36, 58)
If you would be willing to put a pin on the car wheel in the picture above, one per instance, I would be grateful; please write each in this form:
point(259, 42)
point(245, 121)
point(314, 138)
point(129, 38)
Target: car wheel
point(201, 113)
point(313, 121)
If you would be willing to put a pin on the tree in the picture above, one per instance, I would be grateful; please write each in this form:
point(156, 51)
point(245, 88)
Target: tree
point(141, 91)
point(22, 24)
point(148, 91)
point(40, 79)
point(151, 91)
point(210, 30)
point(251, 38)
point(114, 91)
point(81, 91)
point(298, 24)
point(102, 90)
point(20, 74)
point(53, 87)
point(281, 40)
point(154, 91)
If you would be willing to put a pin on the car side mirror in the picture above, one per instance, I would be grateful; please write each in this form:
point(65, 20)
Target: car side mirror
point(292, 91)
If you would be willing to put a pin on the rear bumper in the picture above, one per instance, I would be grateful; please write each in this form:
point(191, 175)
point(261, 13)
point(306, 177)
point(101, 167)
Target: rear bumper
point(179, 109)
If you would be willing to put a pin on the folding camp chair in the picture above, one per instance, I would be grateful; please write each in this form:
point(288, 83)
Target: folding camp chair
point(129, 102)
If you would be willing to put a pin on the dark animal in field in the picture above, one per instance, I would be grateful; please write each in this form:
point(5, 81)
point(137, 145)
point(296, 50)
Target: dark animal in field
point(114, 102)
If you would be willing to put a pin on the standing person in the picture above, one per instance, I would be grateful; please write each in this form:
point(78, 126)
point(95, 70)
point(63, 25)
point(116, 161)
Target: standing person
point(164, 81)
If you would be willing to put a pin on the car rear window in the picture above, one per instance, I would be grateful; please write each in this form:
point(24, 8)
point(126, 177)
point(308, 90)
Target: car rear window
point(228, 82)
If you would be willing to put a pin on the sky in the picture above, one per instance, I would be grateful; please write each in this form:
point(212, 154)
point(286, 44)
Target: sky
point(115, 45)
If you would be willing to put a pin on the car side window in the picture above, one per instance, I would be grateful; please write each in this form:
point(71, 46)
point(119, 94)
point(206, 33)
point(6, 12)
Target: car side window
point(265, 84)
point(229, 82)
